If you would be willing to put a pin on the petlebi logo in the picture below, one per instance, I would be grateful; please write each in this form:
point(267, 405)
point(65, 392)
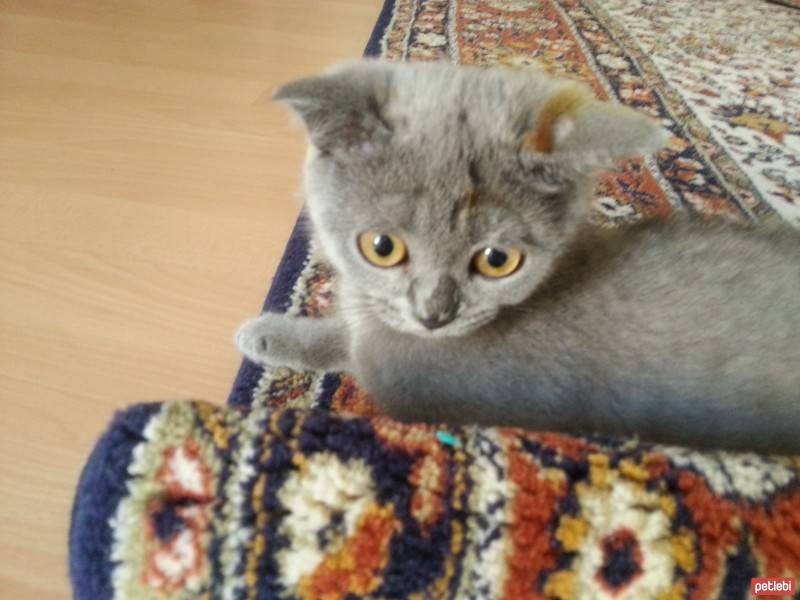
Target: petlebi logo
point(772, 586)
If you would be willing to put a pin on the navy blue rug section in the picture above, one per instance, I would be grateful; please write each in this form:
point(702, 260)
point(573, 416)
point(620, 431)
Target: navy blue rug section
point(102, 485)
point(278, 299)
point(296, 254)
point(373, 47)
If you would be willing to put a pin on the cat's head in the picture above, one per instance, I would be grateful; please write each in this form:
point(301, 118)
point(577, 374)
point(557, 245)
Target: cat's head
point(442, 194)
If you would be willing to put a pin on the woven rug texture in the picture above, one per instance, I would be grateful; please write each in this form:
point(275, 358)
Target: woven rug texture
point(300, 489)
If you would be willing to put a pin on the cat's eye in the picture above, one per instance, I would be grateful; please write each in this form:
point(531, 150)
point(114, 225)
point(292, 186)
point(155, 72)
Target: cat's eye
point(496, 262)
point(382, 249)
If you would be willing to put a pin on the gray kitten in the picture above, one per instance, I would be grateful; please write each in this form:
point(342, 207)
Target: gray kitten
point(453, 203)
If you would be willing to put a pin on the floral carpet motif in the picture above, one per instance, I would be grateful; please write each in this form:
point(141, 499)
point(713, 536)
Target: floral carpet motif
point(300, 489)
point(294, 503)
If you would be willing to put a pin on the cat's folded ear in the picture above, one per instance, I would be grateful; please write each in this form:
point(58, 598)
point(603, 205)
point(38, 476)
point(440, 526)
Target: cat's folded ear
point(342, 110)
point(572, 125)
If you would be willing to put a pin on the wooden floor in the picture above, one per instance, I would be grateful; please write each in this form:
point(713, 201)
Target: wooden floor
point(147, 188)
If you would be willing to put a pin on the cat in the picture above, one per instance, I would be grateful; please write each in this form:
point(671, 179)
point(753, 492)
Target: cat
point(454, 204)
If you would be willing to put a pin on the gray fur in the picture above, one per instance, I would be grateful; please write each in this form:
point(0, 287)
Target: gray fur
point(686, 332)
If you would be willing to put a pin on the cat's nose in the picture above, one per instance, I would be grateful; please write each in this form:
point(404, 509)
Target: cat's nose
point(436, 321)
point(436, 304)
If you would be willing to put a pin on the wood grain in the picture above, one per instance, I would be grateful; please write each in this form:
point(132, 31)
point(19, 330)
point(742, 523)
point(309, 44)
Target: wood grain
point(147, 189)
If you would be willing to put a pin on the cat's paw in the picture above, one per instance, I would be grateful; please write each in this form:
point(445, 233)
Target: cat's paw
point(302, 344)
point(262, 340)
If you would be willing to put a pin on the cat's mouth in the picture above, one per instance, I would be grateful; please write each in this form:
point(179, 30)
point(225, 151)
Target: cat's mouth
point(450, 329)
point(401, 318)
point(458, 326)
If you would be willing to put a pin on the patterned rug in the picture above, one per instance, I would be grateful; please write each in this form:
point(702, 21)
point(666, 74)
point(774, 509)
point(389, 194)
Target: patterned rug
point(299, 489)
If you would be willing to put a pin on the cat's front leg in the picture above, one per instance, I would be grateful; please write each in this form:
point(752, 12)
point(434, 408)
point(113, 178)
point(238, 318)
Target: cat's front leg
point(303, 344)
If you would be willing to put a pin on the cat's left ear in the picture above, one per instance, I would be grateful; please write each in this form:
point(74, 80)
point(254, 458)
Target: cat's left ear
point(342, 110)
point(572, 125)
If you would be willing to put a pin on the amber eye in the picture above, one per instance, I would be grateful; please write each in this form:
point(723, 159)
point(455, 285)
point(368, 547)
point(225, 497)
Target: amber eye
point(497, 262)
point(382, 249)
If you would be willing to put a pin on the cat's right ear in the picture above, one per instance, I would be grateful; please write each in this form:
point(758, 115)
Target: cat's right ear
point(572, 126)
point(341, 110)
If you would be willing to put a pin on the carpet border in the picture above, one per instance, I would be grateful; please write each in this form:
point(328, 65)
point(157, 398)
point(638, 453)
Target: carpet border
point(101, 487)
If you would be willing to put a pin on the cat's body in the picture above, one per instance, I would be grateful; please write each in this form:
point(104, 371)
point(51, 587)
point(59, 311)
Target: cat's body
point(705, 357)
point(684, 332)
